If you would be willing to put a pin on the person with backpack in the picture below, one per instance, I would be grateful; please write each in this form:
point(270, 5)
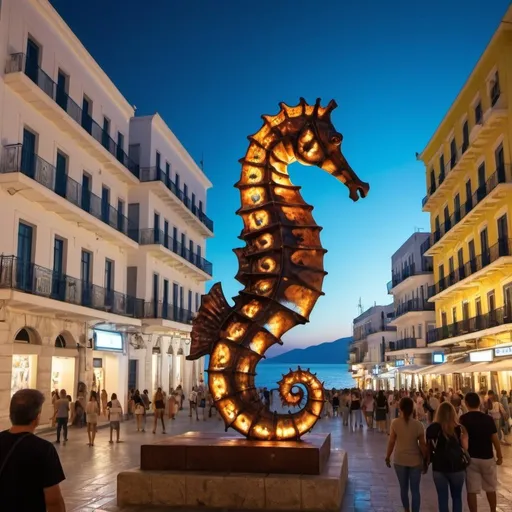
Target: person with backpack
point(447, 441)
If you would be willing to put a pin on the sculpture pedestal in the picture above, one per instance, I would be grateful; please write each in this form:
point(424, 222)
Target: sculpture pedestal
point(212, 471)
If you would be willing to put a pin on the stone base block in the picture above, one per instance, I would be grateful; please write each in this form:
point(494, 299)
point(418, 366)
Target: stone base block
point(237, 491)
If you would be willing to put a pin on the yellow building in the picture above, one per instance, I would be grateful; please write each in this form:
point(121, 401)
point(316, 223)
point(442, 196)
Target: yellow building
point(469, 198)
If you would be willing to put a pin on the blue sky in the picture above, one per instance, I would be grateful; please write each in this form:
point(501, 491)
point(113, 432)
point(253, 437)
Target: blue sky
point(212, 68)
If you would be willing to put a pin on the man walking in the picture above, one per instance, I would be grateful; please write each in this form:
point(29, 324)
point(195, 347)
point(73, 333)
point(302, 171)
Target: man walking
point(30, 469)
point(481, 472)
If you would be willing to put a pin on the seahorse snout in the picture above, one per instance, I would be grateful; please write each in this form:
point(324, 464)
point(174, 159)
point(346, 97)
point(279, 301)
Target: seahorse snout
point(358, 189)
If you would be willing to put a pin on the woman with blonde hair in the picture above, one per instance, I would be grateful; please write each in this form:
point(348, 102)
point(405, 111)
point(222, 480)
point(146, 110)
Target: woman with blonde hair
point(447, 442)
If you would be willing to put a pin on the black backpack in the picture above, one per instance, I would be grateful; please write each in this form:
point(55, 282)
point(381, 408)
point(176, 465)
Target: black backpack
point(448, 453)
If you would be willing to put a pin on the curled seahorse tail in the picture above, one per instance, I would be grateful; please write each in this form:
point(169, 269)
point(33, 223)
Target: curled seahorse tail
point(206, 328)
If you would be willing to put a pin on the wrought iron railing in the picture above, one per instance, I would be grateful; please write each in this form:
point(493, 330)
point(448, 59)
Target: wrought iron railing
point(363, 333)
point(502, 175)
point(494, 318)
point(17, 159)
point(403, 344)
point(498, 250)
point(157, 174)
point(416, 304)
point(18, 62)
point(151, 236)
point(412, 270)
point(27, 277)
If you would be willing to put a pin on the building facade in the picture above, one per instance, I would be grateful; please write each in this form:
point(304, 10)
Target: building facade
point(372, 334)
point(97, 289)
point(469, 184)
point(411, 279)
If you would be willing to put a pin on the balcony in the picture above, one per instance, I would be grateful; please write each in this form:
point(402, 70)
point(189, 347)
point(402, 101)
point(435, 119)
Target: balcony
point(176, 199)
point(37, 88)
point(41, 290)
point(358, 336)
point(496, 188)
point(493, 119)
point(173, 253)
point(409, 271)
point(498, 320)
point(413, 305)
point(161, 317)
point(498, 258)
point(402, 344)
point(38, 181)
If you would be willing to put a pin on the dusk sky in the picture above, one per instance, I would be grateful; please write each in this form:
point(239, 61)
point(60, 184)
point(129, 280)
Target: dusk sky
point(212, 68)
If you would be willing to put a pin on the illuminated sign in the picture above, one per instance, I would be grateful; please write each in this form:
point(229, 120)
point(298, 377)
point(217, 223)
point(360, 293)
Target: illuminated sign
point(483, 356)
point(503, 351)
point(108, 340)
point(438, 357)
point(399, 362)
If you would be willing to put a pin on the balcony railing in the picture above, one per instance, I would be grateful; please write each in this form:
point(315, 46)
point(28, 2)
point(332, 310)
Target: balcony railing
point(372, 330)
point(413, 305)
point(18, 62)
point(156, 174)
point(498, 250)
point(27, 277)
point(411, 270)
point(151, 236)
point(16, 159)
point(167, 311)
point(502, 175)
point(403, 344)
point(494, 318)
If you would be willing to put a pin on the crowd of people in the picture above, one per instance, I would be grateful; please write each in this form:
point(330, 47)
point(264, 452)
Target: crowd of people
point(460, 435)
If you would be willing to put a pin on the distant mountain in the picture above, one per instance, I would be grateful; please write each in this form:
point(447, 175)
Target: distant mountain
point(331, 352)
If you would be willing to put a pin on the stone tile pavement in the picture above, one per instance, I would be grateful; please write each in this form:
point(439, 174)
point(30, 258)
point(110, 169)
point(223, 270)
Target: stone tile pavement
point(91, 472)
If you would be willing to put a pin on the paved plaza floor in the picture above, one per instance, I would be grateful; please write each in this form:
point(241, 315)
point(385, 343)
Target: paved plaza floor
point(91, 471)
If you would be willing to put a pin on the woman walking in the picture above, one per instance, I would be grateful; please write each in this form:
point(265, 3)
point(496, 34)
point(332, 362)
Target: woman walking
point(355, 410)
point(381, 411)
point(159, 408)
point(92, 410)
point(140, 410)
point(447, 443)
point(407, 440)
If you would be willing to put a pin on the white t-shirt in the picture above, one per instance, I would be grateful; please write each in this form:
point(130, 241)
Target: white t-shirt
point(116, 411)
point(193, 396)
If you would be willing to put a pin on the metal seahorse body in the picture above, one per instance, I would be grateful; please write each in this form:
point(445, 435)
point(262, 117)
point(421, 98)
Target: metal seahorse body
point(281, 268)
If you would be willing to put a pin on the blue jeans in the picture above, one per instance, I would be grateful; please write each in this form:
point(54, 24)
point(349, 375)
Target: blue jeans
point(409, 477)
point(446, 484)
point(62, 424)
point(357, 415)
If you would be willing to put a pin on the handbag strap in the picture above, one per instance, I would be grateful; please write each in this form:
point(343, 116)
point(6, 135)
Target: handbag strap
point(10, 452)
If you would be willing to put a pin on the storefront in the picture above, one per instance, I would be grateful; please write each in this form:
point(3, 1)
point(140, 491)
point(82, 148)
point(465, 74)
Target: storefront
point(24, 372)
point(110, 365)
point(63, 374)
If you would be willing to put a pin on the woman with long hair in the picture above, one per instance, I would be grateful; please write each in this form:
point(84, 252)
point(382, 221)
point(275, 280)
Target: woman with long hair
point(447, 443)
point(159, 409)
point(381, 411)
point(92, 410)
point(407, 440)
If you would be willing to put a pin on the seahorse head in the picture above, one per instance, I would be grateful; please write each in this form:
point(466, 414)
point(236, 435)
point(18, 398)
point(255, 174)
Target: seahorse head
point(315, 141)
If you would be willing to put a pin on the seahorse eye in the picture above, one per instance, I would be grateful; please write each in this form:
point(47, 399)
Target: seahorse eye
point(336, 139)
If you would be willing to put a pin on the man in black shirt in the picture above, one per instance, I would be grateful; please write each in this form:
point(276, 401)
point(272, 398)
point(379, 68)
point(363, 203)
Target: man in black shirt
point(30, 469)
point(482, 433)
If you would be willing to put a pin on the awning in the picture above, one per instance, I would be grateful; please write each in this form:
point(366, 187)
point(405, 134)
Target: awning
point(426, 369)
point(410, 368)
point(446, 368)
point(501, 364)
point(481, 367)
point(387, 375)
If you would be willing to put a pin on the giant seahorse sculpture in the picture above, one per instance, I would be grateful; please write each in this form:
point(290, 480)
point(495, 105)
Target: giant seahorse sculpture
point(281, 268)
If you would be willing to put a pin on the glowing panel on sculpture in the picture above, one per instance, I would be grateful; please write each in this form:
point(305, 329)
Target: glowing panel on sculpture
point(256, 220)
point(266, 265)
point(264, 287)
point(244, 381)
point(280, 152)
point(263, 429)
point(221, 356)
point(292, 111)
point(310, 259)
point(235, 330)
point(252, 308)
point(307, 237)
point(219, 385)
point(261, 342)
point(266, 136)
point(255, 154)
point(264, 241)
point(298, 215)
point(246, 363)
point(288, 195)
point(229, 408)
point(279, 323)
point(243, 423)
point(251, 174)
point(302, 298)
point(275, 120)
point(285, 428)
point(253, 196)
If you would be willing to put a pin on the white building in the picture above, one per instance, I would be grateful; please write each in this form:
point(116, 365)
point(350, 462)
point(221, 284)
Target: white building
point(99, 253)
point(372, 333)
point(412, 276)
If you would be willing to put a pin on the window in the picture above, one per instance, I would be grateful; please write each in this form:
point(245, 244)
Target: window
point(193, 202)
point(495, 89)
point(109, 281)
point(432, 181)
point(183, 245)
point(120, 146)
point(484, 245)
point(456, 207)
point(447, 223)
point(478, 113)
point(105, 204)
point(469, 199)
point(177, 181)
point(478, 306)
point(454, 314)
point(185, 190)
point(62, 90)
point(86, 114)
point(441, 168)
point(197, 301)
point(453, 153)
point(167, 171)
point(437, 225)
point(465, 136)
point(190, 300)
point(491, 301)
point(120, 216)
point(451, 266)
point(441, 272)
point(460, 263)
point(420, 331)
point(201, 204)
point(158, 160)
point(105, 136)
